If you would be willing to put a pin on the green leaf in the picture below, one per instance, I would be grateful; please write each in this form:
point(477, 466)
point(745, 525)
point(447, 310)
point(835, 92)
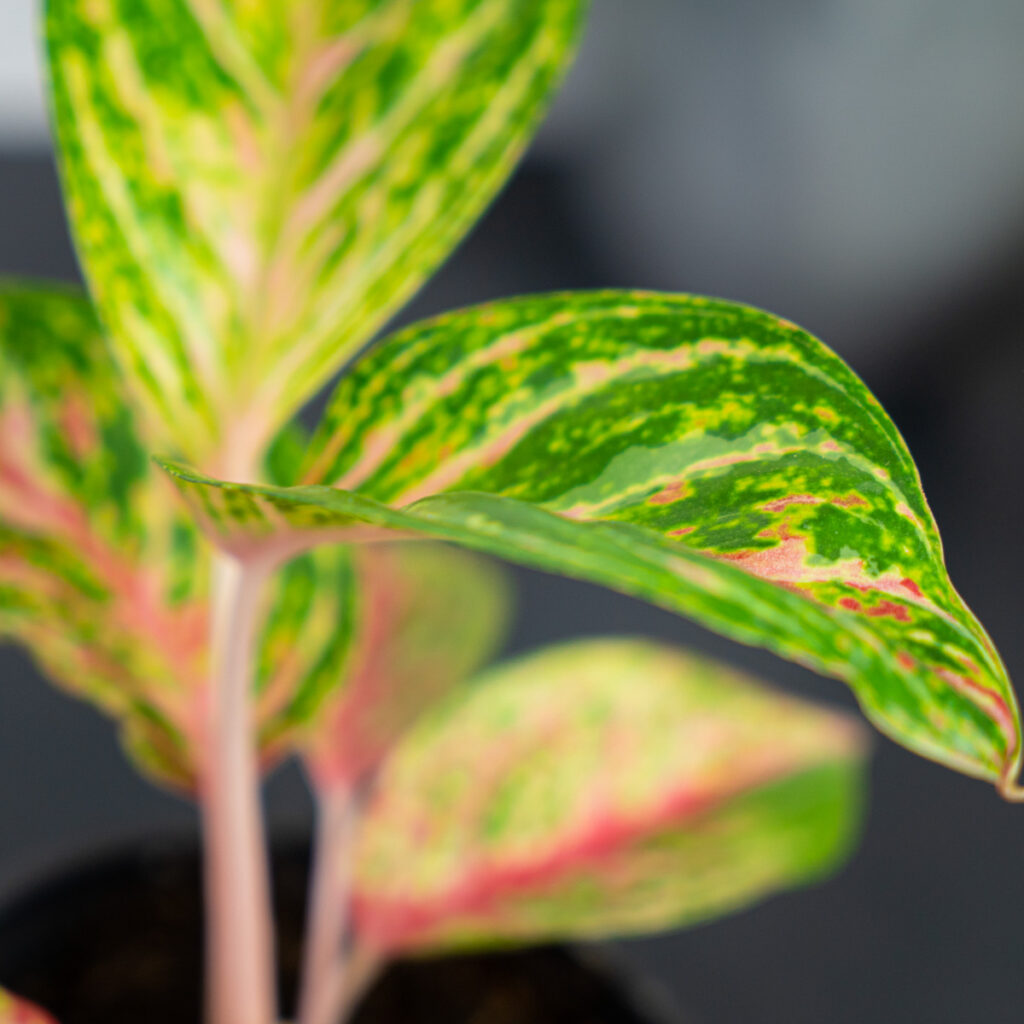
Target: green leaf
point(708, 457)
point(398, 627)
point(596, 788)
point(20, 1011)
point(255, 188)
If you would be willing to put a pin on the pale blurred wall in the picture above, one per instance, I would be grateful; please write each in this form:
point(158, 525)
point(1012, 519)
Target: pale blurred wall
point(839, 161)
point(22, 109)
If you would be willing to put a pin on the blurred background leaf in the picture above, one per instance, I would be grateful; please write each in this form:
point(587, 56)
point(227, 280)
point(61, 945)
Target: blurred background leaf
point(601, 788)
point(100, 574)
point(403, 626)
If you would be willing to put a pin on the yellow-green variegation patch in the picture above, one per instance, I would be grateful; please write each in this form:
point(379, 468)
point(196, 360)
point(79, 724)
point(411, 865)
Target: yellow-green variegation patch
point(255, 188)
point(20, 1011)
point(703, 455)
point(604, 787)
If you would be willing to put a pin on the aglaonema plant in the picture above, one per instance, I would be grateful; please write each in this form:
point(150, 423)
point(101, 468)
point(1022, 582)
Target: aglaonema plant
point(254, 189)
point(593, 788)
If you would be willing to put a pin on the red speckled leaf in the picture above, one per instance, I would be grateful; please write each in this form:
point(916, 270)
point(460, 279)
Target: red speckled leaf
point(601, 787)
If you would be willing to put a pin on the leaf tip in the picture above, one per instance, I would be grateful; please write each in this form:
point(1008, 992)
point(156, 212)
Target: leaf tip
point(1008, 786)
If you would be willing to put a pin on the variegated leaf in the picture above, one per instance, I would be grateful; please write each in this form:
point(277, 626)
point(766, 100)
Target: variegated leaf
point(408, 623)
point(254, 188)
point(100, 576)
point(105, 580)
point(19, 1011)
point(597, 788)
point(703, 455)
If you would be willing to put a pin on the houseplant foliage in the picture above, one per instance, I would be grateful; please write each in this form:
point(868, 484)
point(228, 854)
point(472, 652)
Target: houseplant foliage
point(254, 188)
point(627, 787)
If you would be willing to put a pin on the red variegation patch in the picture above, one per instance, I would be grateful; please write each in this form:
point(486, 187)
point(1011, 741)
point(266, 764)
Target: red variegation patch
point(425, 617)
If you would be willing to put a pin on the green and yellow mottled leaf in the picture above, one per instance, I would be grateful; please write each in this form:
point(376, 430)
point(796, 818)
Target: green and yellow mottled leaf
point(408, 623)
point(255, 187)
point(596, 788)
point(19, 1011)
point(705, 456)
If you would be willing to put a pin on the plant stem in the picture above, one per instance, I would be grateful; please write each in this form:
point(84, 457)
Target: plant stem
point(327, 917)
point(352, 976)
point(239, 941)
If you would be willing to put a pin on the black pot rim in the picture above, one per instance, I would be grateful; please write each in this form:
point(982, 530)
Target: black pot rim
point(61, 870)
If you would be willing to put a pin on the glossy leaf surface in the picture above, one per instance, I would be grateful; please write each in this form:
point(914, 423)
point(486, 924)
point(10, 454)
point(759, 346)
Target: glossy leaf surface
point(703, 455)
point(19, 1011)
point(254, 188)
point(597, 788)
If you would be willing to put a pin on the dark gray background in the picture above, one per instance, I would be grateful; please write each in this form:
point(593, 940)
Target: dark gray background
point(856, 166)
